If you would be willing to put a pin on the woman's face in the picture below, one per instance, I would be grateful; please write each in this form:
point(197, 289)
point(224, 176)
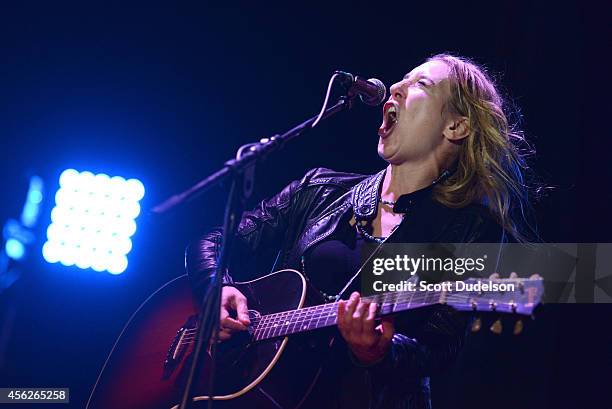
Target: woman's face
point(414, 117)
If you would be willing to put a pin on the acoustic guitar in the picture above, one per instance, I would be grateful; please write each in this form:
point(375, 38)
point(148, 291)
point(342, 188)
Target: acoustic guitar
point(272, 365)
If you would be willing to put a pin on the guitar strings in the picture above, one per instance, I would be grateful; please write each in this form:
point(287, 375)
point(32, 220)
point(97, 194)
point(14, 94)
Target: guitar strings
point(270, 322)
point(190, 338)
point(301, 316)
point(322, 311)
point(325, 308)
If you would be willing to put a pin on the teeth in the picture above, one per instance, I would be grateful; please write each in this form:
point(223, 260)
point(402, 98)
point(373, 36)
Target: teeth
point(392, 114)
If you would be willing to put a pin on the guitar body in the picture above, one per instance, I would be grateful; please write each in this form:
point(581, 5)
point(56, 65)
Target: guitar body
point(149, 362)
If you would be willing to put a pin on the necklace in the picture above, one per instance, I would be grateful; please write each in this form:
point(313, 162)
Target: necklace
point(361, 228)
point(445, 173)
point(387, 202)
point(379, 240)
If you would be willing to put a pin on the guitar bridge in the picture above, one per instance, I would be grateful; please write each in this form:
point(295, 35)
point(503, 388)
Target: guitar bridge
point(180, 343)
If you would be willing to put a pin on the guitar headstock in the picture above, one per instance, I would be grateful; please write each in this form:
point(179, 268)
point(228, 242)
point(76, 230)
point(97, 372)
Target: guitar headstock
point(509, 295)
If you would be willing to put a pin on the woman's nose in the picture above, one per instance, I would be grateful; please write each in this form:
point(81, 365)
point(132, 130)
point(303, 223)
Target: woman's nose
point(397, 91)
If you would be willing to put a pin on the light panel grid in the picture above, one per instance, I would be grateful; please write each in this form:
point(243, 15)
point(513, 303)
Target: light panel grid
point(93, 221)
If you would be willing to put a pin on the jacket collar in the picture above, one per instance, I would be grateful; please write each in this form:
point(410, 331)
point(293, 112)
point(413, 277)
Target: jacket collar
point(366, 195)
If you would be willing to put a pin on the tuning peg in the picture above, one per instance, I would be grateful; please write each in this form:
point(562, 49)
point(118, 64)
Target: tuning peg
point(518, 327)
point(496, 328)
point(476, 325)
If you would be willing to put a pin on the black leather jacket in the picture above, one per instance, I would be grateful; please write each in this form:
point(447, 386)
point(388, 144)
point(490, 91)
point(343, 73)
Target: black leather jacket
point(309, 210)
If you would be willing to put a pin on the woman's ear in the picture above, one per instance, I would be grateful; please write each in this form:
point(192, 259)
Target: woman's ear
point(457, 129)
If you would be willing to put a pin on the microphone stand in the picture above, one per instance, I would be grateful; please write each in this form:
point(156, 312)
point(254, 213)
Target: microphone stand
point(240, 172)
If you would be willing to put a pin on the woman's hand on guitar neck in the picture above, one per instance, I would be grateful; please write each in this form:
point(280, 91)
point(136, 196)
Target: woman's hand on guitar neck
point(356, 322)
point(233, 303)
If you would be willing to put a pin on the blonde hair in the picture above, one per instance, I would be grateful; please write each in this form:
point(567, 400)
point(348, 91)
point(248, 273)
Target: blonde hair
point(492, 158)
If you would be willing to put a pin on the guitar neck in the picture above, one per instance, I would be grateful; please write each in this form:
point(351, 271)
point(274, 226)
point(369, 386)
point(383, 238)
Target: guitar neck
point(325, 315)
point(517, 296)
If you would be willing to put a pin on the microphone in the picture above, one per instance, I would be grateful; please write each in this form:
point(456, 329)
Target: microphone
point(371, 92)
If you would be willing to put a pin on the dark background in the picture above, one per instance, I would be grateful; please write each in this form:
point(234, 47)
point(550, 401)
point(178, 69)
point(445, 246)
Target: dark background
point(167, 93)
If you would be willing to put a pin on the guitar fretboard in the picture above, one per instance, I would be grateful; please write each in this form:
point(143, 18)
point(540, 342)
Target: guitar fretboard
point(325, 315)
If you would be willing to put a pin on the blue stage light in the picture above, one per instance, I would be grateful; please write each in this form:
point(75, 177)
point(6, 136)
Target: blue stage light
point(14, 249)
point(93, 221)
point(31, 208)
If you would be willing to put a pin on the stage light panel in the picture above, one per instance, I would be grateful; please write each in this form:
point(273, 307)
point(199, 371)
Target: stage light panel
point(93, 221)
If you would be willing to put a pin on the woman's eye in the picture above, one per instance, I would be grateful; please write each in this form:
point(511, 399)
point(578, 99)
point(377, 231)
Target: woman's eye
point(423, 82)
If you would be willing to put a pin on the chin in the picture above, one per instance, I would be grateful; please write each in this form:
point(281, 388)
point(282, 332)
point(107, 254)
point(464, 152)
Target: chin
point(381, 149)
point(385, 152)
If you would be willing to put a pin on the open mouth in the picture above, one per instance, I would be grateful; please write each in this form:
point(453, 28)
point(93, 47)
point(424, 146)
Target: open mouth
point(390, 117)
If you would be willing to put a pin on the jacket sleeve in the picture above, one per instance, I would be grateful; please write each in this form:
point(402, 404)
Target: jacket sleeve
point(260, 230)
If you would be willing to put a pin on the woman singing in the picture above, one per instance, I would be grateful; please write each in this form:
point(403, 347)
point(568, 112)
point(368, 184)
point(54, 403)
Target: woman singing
point(454, 175)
